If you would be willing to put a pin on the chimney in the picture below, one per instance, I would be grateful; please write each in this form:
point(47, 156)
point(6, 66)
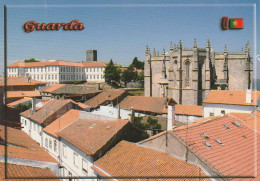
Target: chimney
point(171, 117)
point(132, 115)
point(248, 96)
point(98, 86)
point(118, 113)
point(33, 105)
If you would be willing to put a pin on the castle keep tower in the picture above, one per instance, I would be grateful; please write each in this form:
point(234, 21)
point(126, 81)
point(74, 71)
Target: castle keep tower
point(91, 55)
point(187, 75)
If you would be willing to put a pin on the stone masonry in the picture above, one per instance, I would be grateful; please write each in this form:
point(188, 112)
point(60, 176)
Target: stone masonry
point(187, 75)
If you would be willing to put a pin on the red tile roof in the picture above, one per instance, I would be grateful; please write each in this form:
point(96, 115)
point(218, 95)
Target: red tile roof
point(21, 81)
point(22, 171)
point(57, 63)
point(94, 64)
point(231, 97)
point(224, 143)
point(62, 122)
point(46, 111)
point(252, 120)
point(106, 95)
point(145, 104)
point(28, 154)
point(17, 137)
point(20, 101)
point(17, 94)
point(43, 64)
point(54, 87)
point(130, 160)
point(90, 136)
point(21, 145)
point(189, 110)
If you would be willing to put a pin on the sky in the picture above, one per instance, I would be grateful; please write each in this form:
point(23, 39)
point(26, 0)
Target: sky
point(121, 29)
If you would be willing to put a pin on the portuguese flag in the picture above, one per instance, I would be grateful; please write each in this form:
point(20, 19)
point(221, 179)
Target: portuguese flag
point(236, 23)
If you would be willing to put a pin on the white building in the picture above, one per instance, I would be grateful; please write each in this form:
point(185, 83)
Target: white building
point(78, 138)
point(221, 102)
point(188, 113)
point(33, 121)
point(59, 71)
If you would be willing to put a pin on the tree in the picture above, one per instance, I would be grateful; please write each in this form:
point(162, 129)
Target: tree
point(140, 76)
point(31, 60)
point(129, 74)
point(154, 125)
point(138, 64)
point(112, 74)
point(24, 107)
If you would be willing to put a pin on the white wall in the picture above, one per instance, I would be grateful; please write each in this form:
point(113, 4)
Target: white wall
point(228, 108)
point(186, 118)
point(113, 112)
point(94, 74)
point(68, 161)
point(50, 141)
point(33, 129)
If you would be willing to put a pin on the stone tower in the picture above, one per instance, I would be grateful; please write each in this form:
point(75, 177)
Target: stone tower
point(187, 75)
point(91, 55)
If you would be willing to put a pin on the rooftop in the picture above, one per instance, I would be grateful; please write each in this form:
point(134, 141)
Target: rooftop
point(226, 143)
point(57, 63)
point(17, 94)
point(21, 81)
point(91, 135)
point(131, 160)
point(62, 122)
point(46, 111)
point(53, 88)
point(21, 145)
point(45, 63)
point(22, 171)
point(145, 104)
point(76, 89)
point(231, 97)
point(106, 95)
point(189, 110)
point(20, 101)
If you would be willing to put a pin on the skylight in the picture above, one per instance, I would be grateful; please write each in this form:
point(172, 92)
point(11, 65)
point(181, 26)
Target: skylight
point(207, 144)
point(226, 126)
point(219, 142)
point(204, 135)
point(237, 124)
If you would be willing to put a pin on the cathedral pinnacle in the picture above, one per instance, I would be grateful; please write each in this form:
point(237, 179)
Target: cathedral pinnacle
point(208, 44)
point(195, 43)
point(180, 46)
point(225, 49)
point(163, 51)
point(154, 53)
point(171, 48)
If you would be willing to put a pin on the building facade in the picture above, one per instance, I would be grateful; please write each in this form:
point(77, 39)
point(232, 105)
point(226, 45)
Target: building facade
point(187, 75)
point(59, 71)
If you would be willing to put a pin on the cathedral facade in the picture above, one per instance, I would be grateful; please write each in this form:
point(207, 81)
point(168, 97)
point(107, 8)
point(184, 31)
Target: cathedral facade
point(187, 75)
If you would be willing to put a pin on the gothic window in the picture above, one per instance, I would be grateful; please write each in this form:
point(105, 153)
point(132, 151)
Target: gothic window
point(187, 72)
point(187, 64)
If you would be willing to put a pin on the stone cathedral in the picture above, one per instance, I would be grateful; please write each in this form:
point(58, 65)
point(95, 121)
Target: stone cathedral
point(187, 75)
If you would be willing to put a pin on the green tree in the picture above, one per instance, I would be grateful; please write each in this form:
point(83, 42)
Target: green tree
point(24, 107)
point(129, 74)
point(154, 125)
point(140, 76)
point(138, 64)
point(112, 74)
point(31, 60)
